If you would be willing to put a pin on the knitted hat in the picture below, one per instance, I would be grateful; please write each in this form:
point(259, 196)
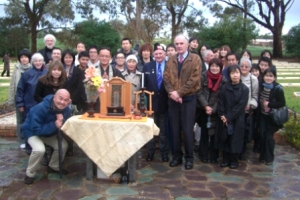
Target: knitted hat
point(158, 46)
point(132, 57)
point(24, 52)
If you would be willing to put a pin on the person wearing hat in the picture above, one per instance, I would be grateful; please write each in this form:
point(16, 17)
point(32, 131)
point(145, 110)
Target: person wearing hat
point(153, 82)
point(24, 57)
point(193, 45)
point(132, 75)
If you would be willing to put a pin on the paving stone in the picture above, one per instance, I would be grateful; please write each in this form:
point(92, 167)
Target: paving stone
point(160, 167)
point(8, 173)
point(114, 198)
point(91, 188)
point(201, 194)
point(158, 195)
point(146, 172)
point(74, 182)
point(68, 194)
point(45, 195)
point(56, 177)
point(5, 182)
point(241, 194)
point(92, 197)
point(185, 198)
point(121, 191)
point(27, 193)
point(144, 179)
point(218, 191)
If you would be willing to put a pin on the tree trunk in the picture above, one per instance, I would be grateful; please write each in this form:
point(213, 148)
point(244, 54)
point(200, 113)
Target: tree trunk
point(33, 38)
point(245, 25)
point(277, 44)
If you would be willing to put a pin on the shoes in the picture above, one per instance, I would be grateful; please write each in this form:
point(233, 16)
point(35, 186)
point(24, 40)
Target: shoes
point(28, 151)
point(164, 158)
point(224, 164)
point(196, 148)
point(149, 157)
point(50, 170)
point(242, 157)
point(234, 165)
point(45, 161)
point(204, 160)
point(188, 165)
point(175, 163)
point(262, 160)
point(269, 163)
point(213, 161)
point(28, 180)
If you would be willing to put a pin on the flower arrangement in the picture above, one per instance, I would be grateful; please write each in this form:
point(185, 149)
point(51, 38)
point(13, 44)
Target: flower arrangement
point(93, 84)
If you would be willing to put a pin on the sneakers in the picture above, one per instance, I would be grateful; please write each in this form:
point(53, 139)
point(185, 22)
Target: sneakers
point(50, 170)
point(28, 180)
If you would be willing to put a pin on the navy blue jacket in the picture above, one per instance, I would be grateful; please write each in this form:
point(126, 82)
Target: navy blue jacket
point(26, 88)
point(41, 119)
point(160, 97)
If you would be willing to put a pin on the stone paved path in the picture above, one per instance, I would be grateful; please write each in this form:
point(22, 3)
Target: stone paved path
point(156, 180)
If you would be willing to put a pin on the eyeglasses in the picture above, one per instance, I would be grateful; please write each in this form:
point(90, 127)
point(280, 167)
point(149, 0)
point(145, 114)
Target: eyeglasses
point(93, 52)
point(120, 58)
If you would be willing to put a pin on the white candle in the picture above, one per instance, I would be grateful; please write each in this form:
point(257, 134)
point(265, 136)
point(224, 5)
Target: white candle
point(142, 80)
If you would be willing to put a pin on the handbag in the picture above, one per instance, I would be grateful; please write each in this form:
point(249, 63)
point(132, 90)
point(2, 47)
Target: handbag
point(279, 115)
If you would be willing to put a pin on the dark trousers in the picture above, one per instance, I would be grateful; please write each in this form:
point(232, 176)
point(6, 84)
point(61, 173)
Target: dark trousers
point(248, 134)
point(267, 130)
point(230, 158)
point(160, 121)
point(182, 118)
point(7, 72)
point(206, 141)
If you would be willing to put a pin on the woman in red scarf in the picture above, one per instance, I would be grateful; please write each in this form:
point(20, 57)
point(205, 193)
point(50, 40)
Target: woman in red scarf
point(207, 102)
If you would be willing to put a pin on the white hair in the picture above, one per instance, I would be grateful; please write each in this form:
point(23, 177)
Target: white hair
point(181, 36)
point(37, 56)
point(49, 36)
point(247, 60)
point(205, 52)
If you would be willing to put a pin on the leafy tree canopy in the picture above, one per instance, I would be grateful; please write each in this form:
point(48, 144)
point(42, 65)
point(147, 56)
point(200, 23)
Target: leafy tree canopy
point(101, 33)
point(292, 41)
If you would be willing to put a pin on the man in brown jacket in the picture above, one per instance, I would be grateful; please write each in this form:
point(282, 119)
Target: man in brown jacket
point(182, 81)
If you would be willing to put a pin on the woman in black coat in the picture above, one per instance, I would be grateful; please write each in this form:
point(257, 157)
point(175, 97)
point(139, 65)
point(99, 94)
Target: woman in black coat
point(74, 83)
point(51, 82)
point(207, 99)
point(231, 110)
point(271, 96)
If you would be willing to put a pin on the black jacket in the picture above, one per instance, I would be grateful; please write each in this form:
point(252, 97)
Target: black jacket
point(232, 102)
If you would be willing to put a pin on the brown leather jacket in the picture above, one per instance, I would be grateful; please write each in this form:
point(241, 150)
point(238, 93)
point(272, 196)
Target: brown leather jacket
point(189, 81)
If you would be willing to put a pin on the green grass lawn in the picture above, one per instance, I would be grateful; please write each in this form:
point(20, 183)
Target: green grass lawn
point(3, 94)
point(288, 81)
point(5, 81)
point(291, 101)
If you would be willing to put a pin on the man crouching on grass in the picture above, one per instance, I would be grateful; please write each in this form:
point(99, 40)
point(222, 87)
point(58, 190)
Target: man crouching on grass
point(41, 127)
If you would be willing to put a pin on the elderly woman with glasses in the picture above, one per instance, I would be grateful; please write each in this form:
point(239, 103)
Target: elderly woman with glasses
point(252, 83)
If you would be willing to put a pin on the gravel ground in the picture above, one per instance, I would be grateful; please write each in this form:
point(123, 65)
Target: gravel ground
point(10, 119)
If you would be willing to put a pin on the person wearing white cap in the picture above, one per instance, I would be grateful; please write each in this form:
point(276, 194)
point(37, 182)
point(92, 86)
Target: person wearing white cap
point(132, 75)
point(154, 83)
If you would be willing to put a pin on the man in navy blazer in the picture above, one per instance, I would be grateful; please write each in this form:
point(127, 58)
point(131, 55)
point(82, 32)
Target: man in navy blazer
point(153, 82)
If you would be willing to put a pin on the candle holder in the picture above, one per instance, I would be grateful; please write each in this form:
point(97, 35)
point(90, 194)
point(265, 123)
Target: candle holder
point(142, 106)
point(140, 96)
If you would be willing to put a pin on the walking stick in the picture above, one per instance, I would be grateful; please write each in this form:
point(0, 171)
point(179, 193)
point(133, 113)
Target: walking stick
point(59, 138)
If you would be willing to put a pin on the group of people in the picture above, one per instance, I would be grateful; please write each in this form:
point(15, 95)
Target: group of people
point(212, 88)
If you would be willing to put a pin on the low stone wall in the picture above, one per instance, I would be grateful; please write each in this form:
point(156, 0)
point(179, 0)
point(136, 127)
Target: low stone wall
point(7, 130)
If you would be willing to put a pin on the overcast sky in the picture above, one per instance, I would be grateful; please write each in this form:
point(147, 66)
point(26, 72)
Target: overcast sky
point(292, 17)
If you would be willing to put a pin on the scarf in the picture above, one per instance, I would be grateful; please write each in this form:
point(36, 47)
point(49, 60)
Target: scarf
point(268, 86)
point(212, 78)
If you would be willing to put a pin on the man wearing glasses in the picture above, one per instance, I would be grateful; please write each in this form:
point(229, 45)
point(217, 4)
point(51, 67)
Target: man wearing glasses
point(120, 62)
point(94, 57)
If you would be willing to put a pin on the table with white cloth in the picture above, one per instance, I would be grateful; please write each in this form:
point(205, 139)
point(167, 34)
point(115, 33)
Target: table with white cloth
point(109, 142)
